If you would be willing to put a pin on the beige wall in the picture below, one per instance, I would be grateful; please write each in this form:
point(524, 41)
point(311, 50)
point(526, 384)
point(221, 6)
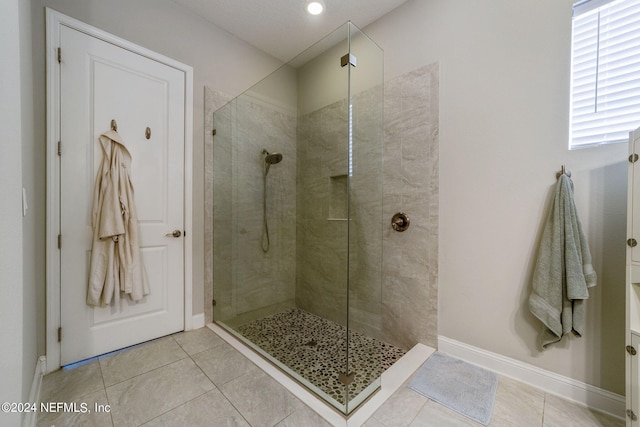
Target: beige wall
point(12, 363)
point(218, 59)
point(32, 226)
point(325, 67)
point(503, 135)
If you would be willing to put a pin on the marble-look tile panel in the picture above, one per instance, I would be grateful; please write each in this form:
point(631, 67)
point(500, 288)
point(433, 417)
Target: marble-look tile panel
point(562, 413)
point(209, 409)
point(372, 422)
point(314, 198)
point(222, 363)
point(197, 340)
point(260, 399)
point(127, 363)
point(517, 404)
point(69, 384)
point(91, 418)
point(321, 241)
point(410, 266)
point(434, 414)
point(303, 417)
point(147, 396)
point(406, 297)
point(401, 408)
point(245, 278)
point(410, 185)
point(263, 279)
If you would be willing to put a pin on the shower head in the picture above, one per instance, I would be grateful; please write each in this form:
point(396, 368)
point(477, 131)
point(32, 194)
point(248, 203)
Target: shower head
point(272, 158)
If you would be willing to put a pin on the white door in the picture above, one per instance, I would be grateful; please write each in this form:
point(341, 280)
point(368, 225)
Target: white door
point(100, 82)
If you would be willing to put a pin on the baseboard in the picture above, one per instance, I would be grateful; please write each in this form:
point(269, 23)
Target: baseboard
point(550, 382)
point(197, 321)
point(29, 419)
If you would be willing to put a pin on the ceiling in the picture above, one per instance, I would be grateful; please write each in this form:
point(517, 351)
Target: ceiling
point(283, 28)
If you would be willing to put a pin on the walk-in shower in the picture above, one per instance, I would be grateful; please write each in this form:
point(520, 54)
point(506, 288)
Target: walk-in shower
point(297, 248)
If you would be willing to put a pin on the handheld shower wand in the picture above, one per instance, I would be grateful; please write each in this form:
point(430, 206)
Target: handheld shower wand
point(269, 159)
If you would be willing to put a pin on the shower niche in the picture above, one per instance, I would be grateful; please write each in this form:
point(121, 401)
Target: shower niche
point(338, 197)
point(298, 220)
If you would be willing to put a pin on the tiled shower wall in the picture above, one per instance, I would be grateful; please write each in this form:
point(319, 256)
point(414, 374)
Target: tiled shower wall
point(410, 263)
point(244, 127)
point(409, 260)
point(332, 258)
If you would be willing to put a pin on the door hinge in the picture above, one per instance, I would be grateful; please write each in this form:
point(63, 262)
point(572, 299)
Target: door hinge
point(631, 350)
point(213, 302)
point(633, 158)
point(60, 334)
point(632, 415)
point(59, 55)
point(59, 148)
point(59, 241)
point(348, 59)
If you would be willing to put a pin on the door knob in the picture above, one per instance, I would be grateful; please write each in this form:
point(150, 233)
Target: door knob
point(176, 233)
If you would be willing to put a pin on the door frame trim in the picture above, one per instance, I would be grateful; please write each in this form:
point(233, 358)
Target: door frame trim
point(54, 20)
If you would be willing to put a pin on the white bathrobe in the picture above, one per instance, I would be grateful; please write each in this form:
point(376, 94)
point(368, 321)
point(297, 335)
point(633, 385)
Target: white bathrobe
point(115, 256)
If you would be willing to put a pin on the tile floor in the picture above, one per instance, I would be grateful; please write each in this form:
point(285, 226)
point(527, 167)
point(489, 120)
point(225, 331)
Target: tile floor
point(196, 379)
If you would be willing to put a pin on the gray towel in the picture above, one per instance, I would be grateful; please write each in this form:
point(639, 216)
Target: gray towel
point(563, 270)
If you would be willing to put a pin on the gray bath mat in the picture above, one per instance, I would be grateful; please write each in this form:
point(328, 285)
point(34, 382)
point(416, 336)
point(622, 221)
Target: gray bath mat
point(460, 386)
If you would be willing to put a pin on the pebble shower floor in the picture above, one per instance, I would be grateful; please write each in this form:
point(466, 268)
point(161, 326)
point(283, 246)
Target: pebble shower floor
point(315, 348)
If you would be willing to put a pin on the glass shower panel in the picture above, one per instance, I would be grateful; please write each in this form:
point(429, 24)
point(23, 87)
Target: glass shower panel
point(263, 196)
point(297, 201)
point(322, 244)
point(366, 92)
point(224, 307)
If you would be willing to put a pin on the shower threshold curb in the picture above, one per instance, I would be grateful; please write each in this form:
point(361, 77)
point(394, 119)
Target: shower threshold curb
point(391, 380)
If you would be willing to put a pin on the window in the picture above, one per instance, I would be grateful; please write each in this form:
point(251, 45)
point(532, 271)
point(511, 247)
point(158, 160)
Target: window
point(605, 72)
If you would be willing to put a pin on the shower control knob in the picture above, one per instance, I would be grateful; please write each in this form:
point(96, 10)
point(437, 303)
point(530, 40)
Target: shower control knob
point(400, 221)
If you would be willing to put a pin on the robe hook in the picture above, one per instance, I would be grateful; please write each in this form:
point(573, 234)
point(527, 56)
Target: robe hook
point(114, 125)
point(563, 171)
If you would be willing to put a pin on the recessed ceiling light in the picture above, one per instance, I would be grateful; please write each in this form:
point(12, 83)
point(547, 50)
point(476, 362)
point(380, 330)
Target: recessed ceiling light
point(315, 8)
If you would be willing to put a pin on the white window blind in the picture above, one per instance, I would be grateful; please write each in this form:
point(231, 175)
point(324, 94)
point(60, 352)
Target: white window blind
point(605, 72)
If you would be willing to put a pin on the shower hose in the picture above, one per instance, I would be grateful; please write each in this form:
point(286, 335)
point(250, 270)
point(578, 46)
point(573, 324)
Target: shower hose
point(265, 233)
